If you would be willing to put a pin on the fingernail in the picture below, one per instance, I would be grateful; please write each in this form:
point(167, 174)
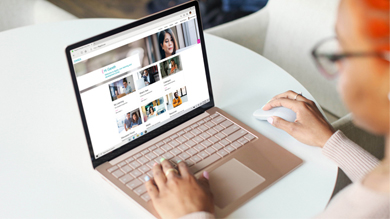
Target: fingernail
point(178, 161)
point(206, 174)
point(162, 159)
point(147, 178)
point(270, 120)
point(155, 164)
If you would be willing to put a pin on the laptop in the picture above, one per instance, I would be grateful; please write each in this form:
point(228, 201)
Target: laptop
point(144, 93)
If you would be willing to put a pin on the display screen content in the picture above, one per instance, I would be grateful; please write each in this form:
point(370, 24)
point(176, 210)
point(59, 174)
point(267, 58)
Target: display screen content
point(136, 81)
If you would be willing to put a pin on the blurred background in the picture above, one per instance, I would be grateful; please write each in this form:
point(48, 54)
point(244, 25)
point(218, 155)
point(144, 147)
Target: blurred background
point(214, 12)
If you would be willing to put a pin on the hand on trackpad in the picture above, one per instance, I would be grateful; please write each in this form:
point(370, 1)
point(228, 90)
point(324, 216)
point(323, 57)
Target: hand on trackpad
point(232, 180)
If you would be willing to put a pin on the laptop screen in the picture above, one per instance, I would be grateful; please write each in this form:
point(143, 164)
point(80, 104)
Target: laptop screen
point(137, 80)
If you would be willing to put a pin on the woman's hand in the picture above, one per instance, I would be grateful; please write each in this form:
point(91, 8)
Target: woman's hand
point(310, 127)
point(175, 195)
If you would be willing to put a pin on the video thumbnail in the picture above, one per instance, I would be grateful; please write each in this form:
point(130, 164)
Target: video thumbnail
point(121, 88)
point(153, 109)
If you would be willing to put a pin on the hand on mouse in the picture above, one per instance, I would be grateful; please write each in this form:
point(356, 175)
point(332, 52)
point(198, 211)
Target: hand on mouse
point(310, 127)
point(175, 195)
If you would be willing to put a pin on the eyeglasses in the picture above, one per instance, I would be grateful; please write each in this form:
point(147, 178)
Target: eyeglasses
point(326, 54)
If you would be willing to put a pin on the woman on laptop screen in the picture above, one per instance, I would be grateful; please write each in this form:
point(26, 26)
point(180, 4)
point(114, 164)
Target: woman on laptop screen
point(167, 42)
point(363, 62)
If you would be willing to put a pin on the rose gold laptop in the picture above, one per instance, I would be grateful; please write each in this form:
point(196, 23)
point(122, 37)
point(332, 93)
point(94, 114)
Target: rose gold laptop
point(144, 93)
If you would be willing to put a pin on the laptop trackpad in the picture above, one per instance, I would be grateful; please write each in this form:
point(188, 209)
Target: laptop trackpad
point(232, 180)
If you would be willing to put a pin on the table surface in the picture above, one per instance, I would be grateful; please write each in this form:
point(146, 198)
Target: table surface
point(45, 169)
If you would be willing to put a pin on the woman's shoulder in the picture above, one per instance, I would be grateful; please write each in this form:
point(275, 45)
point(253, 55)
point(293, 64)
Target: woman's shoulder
point(379, 179)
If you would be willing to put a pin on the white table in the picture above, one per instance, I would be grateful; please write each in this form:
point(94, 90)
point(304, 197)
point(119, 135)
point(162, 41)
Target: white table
point(45, 169)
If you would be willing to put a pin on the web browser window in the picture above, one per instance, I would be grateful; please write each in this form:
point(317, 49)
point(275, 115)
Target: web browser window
point(136, 81)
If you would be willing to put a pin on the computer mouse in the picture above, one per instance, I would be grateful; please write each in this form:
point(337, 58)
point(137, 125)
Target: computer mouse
point(282, 112)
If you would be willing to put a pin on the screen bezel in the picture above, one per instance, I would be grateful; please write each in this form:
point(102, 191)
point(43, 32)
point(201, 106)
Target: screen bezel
point(139, 141)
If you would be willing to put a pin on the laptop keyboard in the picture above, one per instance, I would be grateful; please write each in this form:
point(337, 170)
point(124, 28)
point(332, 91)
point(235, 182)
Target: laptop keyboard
point(199, 145)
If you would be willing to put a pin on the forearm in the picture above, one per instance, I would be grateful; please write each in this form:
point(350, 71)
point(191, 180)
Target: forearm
point(199, 215)
point(351, 158)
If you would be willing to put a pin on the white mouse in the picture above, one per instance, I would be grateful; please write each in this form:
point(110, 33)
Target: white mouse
point(282, 112)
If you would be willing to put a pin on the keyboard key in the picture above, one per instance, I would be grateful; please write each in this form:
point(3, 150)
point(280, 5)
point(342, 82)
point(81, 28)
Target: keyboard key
point(154, 147)
point(122, 164)
point(217, 146)
point(137, 156)
point(229, 148)
point(129, 160)
point(224, 142)
point(144, 169)
point(167, 155)
point(192, 151)
point(174, 136)
point(205, 135)
point(181, 139)
point(200, 122)
point(189, 135)
point(126, 168)
point(175, 159)
point(203, 154)
point(167, 140)
point(196, 132)
point(222, 153)
point(214, 115)
point(199, 147)
point(158, 151)
point(213, 139)
point(126, 178)
point(206, 143)
point(194, 126)
point(181, 133)
point(197, 139)
point(143, 160)
point(136, 173)
point(207, 119)
point(190, 143)
point(142, 178)
point(145, 197)
point(203, 128)
point(211, 132)
point(150, 174)
point(196, 159)
point(135, 164)
point(151, 163)
point(249, 137)
point(175, 151)
point(236, 135)
point(218, 128)
point(134, 184)
point(184, 156)
point(230, 130)
point(242, 141)
point(210, 124)
point(220, 135)
point(160, 144)
point(204, 163)
point(210, 150)
point(118, 173)
point(218, 120)
point(226, 124)
point(145, 151)
point(151, 156)
point(174, 143)
point(112, 169)
point(140, 190)
point(183, 147)
point(236, 144)
point(187, 129)
point(166, 147)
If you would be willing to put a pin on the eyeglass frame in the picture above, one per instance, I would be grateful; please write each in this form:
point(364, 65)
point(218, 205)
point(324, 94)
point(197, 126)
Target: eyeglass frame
point(337, 57)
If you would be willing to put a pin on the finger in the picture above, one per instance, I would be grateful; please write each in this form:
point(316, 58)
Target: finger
point(204, 179)
point(183, 169)
point(167, 166)
point(291, 95)
point(152, 189)
point(285, 102)
point(282, 124)
point(159, 176)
